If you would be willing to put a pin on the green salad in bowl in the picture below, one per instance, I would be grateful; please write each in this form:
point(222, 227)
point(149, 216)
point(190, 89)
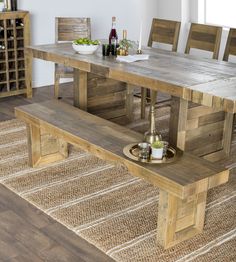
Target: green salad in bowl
point(85, 46)
point(86, 41)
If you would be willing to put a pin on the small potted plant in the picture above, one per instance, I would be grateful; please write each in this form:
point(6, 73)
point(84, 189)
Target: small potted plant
point(157, 149)
point(124, 46)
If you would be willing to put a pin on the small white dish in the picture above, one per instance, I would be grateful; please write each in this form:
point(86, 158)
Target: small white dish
point(85, 49)
point(132, 58)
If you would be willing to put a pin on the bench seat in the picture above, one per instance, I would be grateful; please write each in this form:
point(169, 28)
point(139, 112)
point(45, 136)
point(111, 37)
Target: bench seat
point(183, 184)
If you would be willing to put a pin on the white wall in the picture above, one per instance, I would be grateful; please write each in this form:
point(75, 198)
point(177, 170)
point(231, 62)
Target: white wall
point(129, 14)
point(197, 12)
point(169, 9)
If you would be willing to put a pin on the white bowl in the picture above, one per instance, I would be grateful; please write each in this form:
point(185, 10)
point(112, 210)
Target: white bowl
point(85, 49)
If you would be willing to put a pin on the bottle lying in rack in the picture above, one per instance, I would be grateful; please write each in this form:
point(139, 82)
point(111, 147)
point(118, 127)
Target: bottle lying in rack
point(2, 47)
point(19, 23)
point(1, 32)
point(11, 37)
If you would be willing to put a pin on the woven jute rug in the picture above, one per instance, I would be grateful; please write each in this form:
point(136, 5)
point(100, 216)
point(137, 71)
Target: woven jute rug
point(110, 208)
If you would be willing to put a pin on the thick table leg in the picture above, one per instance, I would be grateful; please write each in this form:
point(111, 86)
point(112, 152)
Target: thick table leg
point(179, 219)
point(56, 82)
point(129, 101)
point(44, 148)
point(80, 89)
point(143, 102)
point(153, 97)
point(28, 71)
point(226, 140)
point(178, 122)
point(201, 130)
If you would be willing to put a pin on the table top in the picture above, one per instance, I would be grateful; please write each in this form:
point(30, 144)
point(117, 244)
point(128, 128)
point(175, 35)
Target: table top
point(205, 81)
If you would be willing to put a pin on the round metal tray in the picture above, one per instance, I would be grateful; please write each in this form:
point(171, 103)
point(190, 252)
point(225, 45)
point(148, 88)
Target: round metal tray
point(132, 152)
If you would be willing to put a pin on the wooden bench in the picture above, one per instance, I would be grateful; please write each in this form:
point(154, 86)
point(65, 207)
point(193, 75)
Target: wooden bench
point(183, 184)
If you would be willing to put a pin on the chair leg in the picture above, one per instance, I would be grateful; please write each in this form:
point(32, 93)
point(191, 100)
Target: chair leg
point(56, 86)
point(143, 102)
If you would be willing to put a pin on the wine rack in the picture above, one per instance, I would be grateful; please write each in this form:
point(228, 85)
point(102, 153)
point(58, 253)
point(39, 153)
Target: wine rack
point(14, 36)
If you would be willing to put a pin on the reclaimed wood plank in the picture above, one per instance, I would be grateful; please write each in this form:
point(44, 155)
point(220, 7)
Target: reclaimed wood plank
point(106, 140)
point(194, 79)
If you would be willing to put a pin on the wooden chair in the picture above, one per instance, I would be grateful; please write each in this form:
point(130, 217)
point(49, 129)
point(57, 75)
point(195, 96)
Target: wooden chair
point(165, 32)
point(204, 37)
point(68, 29)
point(230, 48)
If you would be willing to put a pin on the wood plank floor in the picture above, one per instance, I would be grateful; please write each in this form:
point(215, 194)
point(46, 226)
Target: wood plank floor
point(26, 233)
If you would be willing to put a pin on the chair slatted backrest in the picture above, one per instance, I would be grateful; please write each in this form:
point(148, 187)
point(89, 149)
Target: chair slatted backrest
point(164, 31)
point(230, 48)
point(204, 37)
point(71, 28)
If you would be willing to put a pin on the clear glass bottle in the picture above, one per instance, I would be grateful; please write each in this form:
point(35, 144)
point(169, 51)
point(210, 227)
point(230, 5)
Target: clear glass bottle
point(124, 34)
point(123, 49)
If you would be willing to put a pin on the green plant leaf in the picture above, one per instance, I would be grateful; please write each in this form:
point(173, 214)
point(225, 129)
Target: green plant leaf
point(157, 144)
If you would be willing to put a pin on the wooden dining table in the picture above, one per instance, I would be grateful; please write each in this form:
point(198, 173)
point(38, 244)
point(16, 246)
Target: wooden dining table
point(204, 128)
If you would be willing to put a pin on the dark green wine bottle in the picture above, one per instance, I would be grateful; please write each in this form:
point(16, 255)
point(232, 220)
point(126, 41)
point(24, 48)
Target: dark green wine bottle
point(13, 5)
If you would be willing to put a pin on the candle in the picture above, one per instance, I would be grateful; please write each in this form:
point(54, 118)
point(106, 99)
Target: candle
point(140, 37)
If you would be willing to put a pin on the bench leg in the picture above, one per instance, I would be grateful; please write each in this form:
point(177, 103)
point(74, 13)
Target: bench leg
point(44, 148)
point(179, 219)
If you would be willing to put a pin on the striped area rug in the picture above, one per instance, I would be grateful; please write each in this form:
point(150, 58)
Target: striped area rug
point(110, 208)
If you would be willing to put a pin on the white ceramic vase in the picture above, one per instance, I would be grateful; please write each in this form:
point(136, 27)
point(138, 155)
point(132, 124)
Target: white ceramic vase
point(157, 153)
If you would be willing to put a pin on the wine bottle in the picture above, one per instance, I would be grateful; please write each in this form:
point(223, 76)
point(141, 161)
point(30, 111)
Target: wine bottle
point(10, 35)
point(13, 5)
point(1, 32)
point(19, 23)
point(7, 4)
point(2, 47)
point(113, 37)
